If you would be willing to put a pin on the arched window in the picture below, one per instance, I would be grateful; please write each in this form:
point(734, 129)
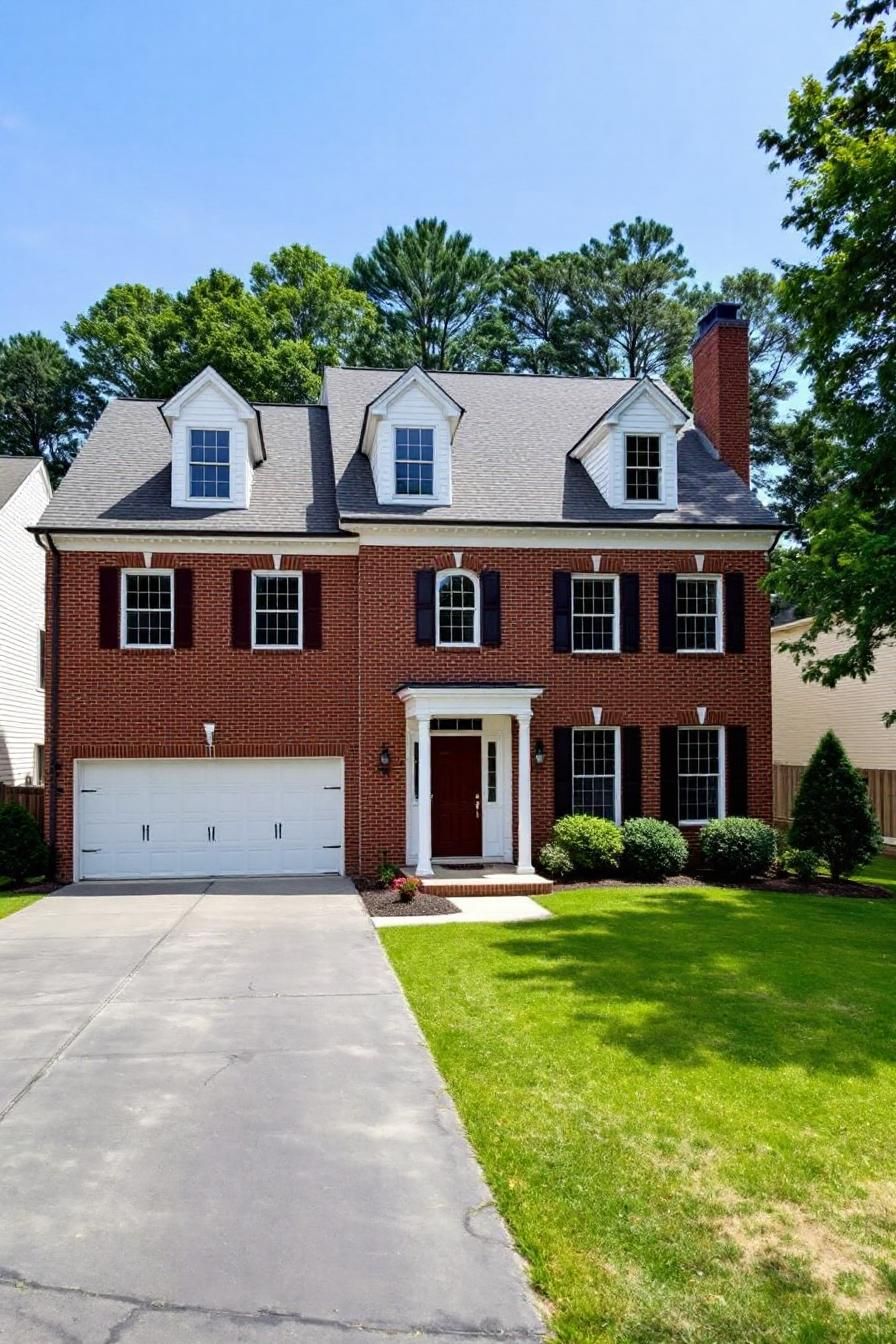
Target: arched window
point(457, 608)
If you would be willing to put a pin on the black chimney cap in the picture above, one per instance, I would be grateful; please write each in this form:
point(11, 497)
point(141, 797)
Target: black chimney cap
point(719, 312)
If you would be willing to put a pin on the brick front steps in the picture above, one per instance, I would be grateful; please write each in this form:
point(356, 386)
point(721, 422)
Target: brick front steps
point(497, 880)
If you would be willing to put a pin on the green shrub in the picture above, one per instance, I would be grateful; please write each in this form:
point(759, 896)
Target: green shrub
point(653, 849)
point(593, 844)
point(803, 863)
point(554, 860)
point(739, 847)
point(23, 853)
point(833, 813)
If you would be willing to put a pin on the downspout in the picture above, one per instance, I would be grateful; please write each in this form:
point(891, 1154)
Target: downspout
point(51, 783)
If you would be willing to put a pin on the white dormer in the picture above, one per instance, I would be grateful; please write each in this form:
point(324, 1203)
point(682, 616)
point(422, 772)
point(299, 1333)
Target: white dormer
point(631, 453)
point(215, 444)
point(408, 433)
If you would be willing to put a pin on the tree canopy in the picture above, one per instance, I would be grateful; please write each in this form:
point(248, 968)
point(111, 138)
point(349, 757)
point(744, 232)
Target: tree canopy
point(45, 409)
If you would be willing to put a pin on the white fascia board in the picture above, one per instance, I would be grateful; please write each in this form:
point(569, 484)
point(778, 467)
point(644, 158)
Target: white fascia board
point(379, 407)
point(467, 701)
point(673, 414)
point(447, 537)
point(169, 542)
point(243, 410)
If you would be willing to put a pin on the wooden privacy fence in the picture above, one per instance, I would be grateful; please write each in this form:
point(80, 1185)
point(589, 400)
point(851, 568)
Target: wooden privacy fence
point(29, 797)
point(881, 788)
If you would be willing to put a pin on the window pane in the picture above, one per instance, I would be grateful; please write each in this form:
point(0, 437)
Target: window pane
point(698, 774)
point(148, 617)
point(414, 456)
point(697, 605)
point(492, 772)
point(457, 609)
point(594, 771)
point(277, 607)
point(210, 463)
point(642, 466)
point(593, 605)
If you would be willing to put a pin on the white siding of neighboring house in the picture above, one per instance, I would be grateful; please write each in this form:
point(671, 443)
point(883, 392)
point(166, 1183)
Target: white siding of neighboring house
point(208, 409)
point(803, 711)
point(412, 409)
point(22, 565)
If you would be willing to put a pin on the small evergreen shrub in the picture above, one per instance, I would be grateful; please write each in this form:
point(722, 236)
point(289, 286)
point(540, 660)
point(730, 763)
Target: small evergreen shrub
point(555, 862)
point(803, 863)
point(653, 849)
point(23, 853)
point(739, 847)
point(833, 813)
point(593, 844)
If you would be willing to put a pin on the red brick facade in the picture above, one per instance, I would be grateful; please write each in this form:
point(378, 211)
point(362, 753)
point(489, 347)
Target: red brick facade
point(340, 700)
point(722, 391)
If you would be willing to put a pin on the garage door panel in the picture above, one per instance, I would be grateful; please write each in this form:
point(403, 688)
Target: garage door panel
point(209, 818)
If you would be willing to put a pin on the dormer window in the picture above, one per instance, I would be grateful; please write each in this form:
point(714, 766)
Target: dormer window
point(643, 467)
point(209, 463)
point(414, 461)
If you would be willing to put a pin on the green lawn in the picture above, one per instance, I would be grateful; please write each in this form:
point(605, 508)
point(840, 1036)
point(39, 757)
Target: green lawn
point(685, 1102)
point(10, 904)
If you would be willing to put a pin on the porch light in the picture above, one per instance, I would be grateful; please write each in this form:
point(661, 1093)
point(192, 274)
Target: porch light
point(385, 760)
point(539, 752)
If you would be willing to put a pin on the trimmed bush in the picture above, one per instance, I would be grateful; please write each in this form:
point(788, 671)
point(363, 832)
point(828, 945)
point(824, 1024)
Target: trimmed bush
point(833, 813)
point(555, 862)
point(23, 853)
point(653, 849)
point(803, 863)
point(739, 847)
point(593, 844)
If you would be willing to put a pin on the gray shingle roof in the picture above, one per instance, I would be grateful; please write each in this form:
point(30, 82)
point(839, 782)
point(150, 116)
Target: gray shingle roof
point(13, 471)
point(510, 461)
point(121, 478)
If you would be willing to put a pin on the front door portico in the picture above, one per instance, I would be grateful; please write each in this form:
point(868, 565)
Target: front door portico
point(432, 825)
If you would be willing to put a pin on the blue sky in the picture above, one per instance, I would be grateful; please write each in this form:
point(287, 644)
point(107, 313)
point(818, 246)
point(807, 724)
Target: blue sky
point(151, 142)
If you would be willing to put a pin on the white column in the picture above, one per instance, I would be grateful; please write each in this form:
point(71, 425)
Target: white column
point(424, 801)
point(524, 797)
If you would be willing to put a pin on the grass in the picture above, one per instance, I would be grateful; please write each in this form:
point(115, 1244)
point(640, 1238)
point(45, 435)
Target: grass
point(685, 1103)
point(10, 904)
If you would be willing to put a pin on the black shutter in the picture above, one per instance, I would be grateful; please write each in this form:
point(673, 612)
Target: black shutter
point(668, 636)
point(241, 608)
point(669, 775)
point(490, 593)
point(736, 800)
point(425, 590)
point(562, 611)
point(110, 607)
point(630, 610)
point(183, 608)
point(631, 772)
point(562, 772)
point(734, 613)
point(312, 610)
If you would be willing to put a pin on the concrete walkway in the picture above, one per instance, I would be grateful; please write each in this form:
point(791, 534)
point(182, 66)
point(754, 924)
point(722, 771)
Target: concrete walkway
point(219, 1123)
point(474, 910)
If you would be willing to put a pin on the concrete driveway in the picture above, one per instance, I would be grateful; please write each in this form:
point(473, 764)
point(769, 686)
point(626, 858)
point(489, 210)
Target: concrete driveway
point(219, 1123)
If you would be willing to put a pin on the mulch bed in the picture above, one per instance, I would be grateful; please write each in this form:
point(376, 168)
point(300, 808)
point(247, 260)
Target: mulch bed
point(820, 886)
point(380, 902)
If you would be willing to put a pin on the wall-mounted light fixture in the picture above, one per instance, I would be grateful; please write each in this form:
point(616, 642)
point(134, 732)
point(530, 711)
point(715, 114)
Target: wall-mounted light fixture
point(538, 752)
point(209, 730)
point(384, 763)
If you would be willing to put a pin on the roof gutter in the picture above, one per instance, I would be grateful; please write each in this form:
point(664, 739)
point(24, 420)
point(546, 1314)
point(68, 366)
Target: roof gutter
point(149, 528)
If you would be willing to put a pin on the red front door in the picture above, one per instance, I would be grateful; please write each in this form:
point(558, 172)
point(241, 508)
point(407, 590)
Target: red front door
point(456, 802)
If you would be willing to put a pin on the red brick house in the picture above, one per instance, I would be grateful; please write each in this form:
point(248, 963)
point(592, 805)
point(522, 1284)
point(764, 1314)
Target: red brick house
point(418, 619)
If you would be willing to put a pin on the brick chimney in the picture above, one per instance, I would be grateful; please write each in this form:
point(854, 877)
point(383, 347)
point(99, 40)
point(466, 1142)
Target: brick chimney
point(722, 384)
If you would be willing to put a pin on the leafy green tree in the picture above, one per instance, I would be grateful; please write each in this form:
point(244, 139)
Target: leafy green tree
point(431, 289)
point(832, 813)
point(311, 300)
point(532, 306)
point(45, 407)
point(125, 341)
point(839, 150)
point(774, 345)
point(791, 467)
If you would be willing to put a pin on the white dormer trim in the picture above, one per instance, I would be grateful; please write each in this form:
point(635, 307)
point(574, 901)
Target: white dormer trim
point(173, 408)
point(413, 401)
point(645, 408)
point(208, 402)
point(414, 376)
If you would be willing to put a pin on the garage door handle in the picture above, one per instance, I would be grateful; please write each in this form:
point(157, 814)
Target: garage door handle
point(211, 833)
point(145, 829)
point(278, 830)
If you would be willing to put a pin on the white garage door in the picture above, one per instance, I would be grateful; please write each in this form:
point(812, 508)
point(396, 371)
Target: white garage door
point(208, 818)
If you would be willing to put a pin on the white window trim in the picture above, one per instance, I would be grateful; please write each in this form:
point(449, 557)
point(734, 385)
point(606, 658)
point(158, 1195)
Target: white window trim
point(629, 500)
point(210, 500)
point(720, 622)
point(123, 612)
point(617, 765)
point(279, 574)
point(701, 728)
point(603, 578)
point(415, 500)
point(476, 642)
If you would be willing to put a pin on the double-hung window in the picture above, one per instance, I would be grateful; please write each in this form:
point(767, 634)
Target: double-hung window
point(414, 462)
point(700, 775)
point(595, 772)
point(698, 611)
point(209, 463)
point(457, 600)
point(277, 611)
point(595, 614)
point(643, 470)
point(147, 609)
